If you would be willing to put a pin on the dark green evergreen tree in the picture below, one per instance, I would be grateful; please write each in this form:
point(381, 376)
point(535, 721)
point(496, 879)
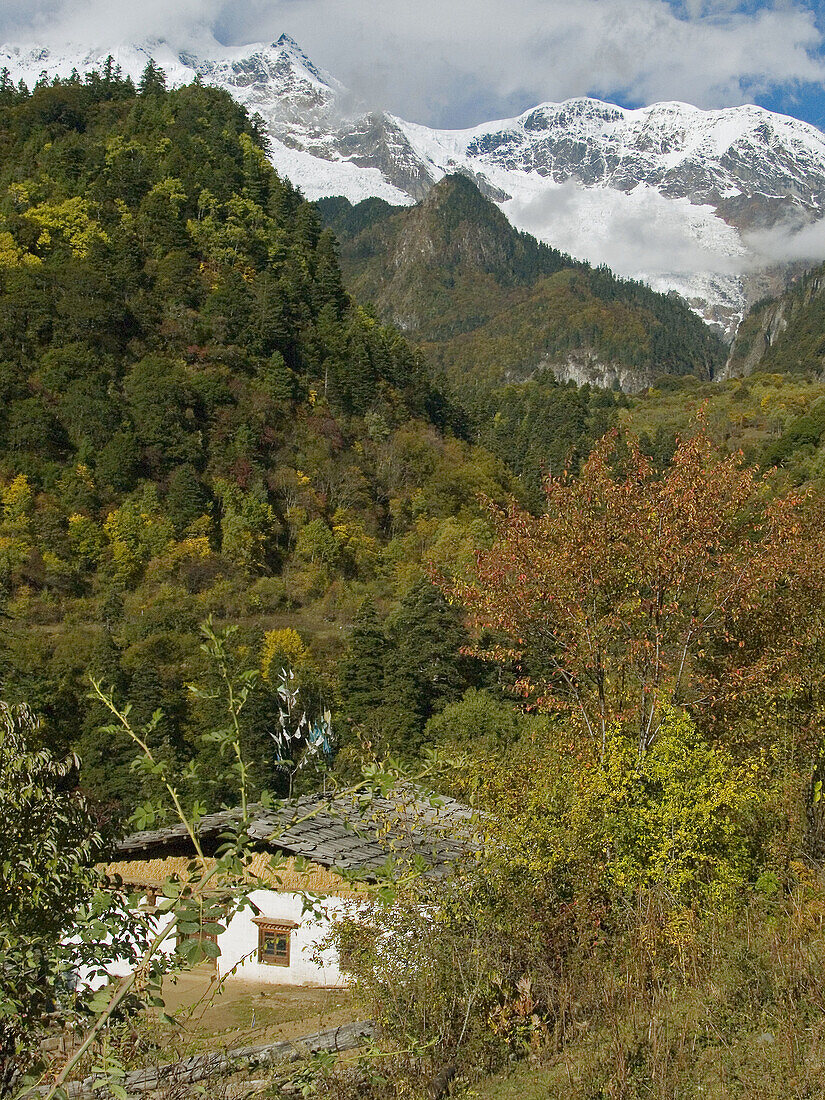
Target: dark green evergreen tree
point(152, 80)
point(8, 92)
point(277, 381)
point(157, 400)
point(424, 669)
point(329, 286)
point(185, 496)
point(118, 462)
point(106, 757)
point(361, 672)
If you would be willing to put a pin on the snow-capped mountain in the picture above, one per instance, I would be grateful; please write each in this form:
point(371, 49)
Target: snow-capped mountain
point(702, 202)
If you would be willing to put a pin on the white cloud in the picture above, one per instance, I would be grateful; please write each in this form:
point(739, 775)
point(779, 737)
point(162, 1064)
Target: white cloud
point(460, 61)
point(642, 231)
point(631, 232)
point(784, 244)
point(100, 23)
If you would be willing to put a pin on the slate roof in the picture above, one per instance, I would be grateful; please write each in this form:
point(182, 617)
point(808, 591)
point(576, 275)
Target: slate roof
point(350, 834)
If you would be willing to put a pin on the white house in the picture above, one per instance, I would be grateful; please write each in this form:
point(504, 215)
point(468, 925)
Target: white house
point(316, 843)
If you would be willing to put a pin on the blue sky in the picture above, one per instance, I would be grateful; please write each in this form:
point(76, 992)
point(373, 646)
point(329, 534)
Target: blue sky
point(462, 62)
point(804, 100)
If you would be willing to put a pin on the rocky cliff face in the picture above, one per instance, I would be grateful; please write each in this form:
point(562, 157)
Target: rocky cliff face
point(783, 334)
point(759, 331)
point(586, 367)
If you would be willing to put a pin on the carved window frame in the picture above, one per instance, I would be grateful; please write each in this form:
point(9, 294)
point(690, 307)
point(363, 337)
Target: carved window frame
point(269, 926)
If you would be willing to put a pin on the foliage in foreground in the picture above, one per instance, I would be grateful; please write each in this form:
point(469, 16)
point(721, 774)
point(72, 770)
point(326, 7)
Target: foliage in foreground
point(79, 953)
point(633, 590)
point(735, 1010)
point(58, 921)
point(614, 860)
point(668, 626)
point(645, 924)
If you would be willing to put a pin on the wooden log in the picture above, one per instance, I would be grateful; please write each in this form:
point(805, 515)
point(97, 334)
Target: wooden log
point(219, 1063)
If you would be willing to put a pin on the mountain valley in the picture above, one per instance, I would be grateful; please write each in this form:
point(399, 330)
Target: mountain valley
point(489, 305)
point(343, 459)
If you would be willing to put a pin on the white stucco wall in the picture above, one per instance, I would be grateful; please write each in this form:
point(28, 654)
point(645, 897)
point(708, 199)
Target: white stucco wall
point(239, 943)
point(308, 965)
point(118, 968)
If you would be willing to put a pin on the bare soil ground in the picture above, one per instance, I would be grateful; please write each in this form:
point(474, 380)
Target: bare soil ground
point(238, 1013)
point(213, 1017)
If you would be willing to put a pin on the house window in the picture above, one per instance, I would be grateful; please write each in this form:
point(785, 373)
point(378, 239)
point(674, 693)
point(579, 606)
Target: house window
point(274, 941)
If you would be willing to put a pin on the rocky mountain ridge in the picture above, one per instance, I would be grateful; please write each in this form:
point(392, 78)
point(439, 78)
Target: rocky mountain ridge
point(490, 305)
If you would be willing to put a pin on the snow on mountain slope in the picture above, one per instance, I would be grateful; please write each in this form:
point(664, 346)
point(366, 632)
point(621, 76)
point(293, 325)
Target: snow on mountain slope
point(278, 80)
point(319, 137)
point(670, 194)
point(684, 198)
point(706, 156)
point(319, 177)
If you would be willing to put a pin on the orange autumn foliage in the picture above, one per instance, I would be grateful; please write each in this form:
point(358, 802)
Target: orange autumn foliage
point(636, 590)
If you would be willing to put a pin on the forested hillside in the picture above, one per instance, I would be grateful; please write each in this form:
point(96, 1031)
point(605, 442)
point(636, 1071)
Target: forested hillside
point(195, 418)
point(488, 304)
point(286, 547)
point(776, 420)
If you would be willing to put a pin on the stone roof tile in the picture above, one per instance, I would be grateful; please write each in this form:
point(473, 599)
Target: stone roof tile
point(352, 833)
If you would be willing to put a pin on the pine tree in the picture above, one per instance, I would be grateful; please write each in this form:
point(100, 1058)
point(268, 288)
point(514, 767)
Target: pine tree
point(424, 669)
point(329, 286)
point(152, 81)
point(361, 674)
point(276, 380)
point(353, 382)
point(306, 227)
point(8, 93)
point(107, 757)
point(185, 497)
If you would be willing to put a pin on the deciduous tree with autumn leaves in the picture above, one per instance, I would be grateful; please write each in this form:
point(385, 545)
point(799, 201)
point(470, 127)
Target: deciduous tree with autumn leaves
point(661, 620)
point(635, 590)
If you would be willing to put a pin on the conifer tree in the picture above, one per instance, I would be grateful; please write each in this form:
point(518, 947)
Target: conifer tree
point(424, 669)
point(329, 286)
point(276, 380)
point(362, 669)
point(306, 226)
point(7, 89)
point(153, 80)
point(185, 497)
point(107, 757)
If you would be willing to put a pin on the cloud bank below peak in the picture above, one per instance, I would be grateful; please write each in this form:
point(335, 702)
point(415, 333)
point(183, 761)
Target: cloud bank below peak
point(460, 63)
point(631, 232)
point(641, 231)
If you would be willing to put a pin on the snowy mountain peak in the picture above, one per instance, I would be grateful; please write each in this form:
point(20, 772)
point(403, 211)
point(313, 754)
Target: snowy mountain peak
point(278, 80)
point(275, 61)
point(288, 44)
